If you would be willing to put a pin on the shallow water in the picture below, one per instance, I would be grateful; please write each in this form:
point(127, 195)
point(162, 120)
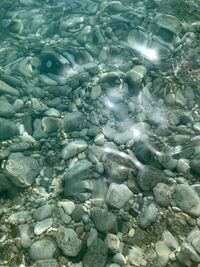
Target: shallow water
point(99, 133)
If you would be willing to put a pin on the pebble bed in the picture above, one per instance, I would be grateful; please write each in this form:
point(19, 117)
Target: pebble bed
point(99, 133)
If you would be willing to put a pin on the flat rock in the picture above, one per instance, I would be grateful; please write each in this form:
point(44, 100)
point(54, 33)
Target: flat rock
point(43, 212)
point(72, 121)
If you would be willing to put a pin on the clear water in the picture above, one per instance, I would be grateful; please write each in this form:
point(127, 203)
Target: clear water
point(99, 105)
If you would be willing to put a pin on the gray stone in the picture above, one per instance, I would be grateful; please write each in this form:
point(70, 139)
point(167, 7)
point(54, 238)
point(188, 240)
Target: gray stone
point(7, 129)
point(104, 221)
point(188, 254)
point(42, 226)
point(76, 182)
point(43, 212)
point(21, 170)
point(120, 111)
point(183, 166)
point(47, 263)
point(136, 75)
point(73, 148)
point(24, 230)
point(148, 216)
point(118, 195)
point(64, 217)
point(123, 138)
point(20, 217)
point(67, 205)
point(5, 183)
point(113, 243)
point(187, 200)
point(194, 239)
point(135, 256)
point(165, 247)
point(96, 254)
point(68, 241)
point(168, 22)
point(117, 165)
point(73, 121)
point(108, 132)
point(6, 109)
point(119, 259)
point(149, 177)
point(162, 194)
point(50, 124)
point(195, 165)
point(42, 249)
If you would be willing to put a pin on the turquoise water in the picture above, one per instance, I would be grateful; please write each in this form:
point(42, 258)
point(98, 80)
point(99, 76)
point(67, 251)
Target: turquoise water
point(99, 133)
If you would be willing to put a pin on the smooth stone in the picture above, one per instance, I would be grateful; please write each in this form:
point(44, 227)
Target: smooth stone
point(6, 109)
point(165, 247)
point(183, 166)
point(96, 92)
point(78, 213)
point(68, 241)
point(21, 170)
point(42, 249)
point(161, 193)
point(148, 216)
point(119, 259)
point(135, 75)
point(76, 181)
point(50, 124)
point(42, 226)
point(123, 138)
point(187, 200)
point(99, 139)
point(96, 254)
point(194, 239)
point(120, 111)
point(68, 206)
point(195, 165)
point(72, 121)
point(196, 126)
point(135, 256)
point(73, 148)
point(52, 112)
point(118, 195)
point(5, 183)
point(188, 254)
point(105, 222)
point(168, 22)
point(7, 129)
point(7, 89)
point(20, 217)
point(108, 132)
point(149, 177)
point(113, 243)
point(180, 139)
point(46, 263)
point(64, 217)
point(43, 212)
point(24, 230)
point(18, 104)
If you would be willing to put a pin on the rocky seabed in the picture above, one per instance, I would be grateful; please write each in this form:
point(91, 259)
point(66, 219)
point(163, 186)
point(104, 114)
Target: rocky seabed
point(99, 133)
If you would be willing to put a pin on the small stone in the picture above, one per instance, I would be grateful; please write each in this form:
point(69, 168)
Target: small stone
point(96, 254)
point(187, 200)
point(42, 226)
point(183, 166)
point(42, 249)
point(73, 149)
point(113, 243)
point(135, 256)
point(72, 121)
point(162, 194)
point(68, 241)
point(43, 212)
point(105, 222)
point(148, 216)
point(118, 195)
point(20, 217)
point(7, 129)
point(68, 206)
point(99, 139)
point(119, 259)
point(6, 109)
